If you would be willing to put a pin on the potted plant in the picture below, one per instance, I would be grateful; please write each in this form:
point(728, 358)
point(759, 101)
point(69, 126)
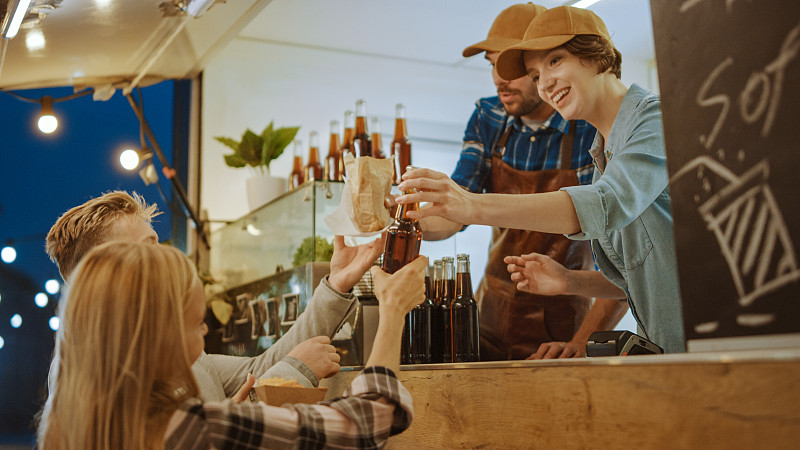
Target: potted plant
point(258, 151)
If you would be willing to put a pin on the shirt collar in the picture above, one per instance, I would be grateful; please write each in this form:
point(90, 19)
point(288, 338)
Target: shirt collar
point(554, 121)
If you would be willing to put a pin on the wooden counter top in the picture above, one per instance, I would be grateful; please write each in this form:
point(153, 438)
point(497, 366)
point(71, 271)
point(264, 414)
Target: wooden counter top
point(731, 400)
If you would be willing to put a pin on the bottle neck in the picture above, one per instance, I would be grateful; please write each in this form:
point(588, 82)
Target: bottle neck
point(400, 130)
point(404, 208)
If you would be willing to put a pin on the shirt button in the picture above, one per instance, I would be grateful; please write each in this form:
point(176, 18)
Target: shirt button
point(533, 138)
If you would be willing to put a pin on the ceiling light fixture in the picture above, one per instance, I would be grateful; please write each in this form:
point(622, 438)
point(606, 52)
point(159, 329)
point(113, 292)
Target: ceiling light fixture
point(13, 18)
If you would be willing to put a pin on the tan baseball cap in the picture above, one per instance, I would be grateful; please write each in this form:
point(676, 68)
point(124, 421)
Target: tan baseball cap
point(508, 29)
point(549, 30)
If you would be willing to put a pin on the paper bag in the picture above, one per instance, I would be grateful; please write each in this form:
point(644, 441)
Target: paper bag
point(369, 181)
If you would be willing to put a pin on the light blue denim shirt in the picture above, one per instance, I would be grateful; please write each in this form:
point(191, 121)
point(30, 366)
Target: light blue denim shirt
point(626, 214)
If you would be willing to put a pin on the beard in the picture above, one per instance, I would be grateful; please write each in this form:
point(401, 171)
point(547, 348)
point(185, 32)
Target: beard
point(524, 103)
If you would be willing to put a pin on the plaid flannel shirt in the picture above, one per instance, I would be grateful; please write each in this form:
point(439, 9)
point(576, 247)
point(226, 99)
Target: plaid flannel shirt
point(527, 149)
point(374, 407)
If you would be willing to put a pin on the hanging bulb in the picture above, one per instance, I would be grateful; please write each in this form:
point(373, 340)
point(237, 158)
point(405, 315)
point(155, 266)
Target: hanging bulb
point(47, 119)
point(8, 254)
point(129, 159)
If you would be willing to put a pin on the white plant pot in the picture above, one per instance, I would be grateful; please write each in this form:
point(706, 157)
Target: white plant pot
point(263, 188)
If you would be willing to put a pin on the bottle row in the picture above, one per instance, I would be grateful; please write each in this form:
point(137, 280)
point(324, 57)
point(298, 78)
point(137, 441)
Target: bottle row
point(358, 140)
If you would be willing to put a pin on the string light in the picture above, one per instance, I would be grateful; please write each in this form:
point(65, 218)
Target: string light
point(47, 119)
point(8, 254)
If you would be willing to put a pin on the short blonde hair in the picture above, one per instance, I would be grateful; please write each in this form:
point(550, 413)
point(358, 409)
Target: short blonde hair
point(122, 361)
point(85, 226)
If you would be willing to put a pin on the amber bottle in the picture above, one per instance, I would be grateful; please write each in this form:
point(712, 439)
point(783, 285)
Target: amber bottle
point(464, 315)
point(347, 139)
point(401, 147)
point(331, 171)
point(296, 178)
point(420, 320)
point(362, 142)
point(377, 139)
point(403, 239)
point(313, 169)
point(443, 337)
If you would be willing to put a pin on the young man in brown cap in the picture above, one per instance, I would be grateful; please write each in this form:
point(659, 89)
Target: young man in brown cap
point(516, 143)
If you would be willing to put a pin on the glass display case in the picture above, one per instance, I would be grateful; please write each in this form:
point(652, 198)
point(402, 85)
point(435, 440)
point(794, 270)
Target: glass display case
point(276, 236)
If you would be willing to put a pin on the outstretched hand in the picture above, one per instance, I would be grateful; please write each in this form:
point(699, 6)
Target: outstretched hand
point(538, 274)
point(444, 196)
point(348, 264)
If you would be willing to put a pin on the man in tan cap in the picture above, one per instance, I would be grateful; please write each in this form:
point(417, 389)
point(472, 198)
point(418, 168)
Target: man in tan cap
point(515, 143)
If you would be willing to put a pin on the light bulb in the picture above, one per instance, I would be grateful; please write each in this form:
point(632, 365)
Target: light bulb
point(54, 323)
point(8, 254)
point(48, 124)
point(52, 286)
point(16, 321)
point(40, 299)
point(129, 159)
point(47, 119)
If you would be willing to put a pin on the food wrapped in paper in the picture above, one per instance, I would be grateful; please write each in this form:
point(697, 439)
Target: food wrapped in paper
point(362, 210)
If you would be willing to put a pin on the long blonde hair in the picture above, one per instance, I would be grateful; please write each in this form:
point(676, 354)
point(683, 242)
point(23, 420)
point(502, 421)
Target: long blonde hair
point(123, 366)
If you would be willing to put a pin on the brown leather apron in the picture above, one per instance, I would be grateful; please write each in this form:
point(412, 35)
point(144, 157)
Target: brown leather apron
point(514, 323)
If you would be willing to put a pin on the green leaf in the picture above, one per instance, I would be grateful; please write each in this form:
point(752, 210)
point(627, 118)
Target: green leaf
point(250, 148)
point(235, 160)
point(228, 142)
point(282, 138)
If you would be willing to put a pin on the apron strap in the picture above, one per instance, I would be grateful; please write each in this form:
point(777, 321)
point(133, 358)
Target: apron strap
point(499, 147)
point(566, 146)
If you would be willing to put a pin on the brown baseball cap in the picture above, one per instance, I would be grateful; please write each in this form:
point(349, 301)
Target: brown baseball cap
point(548, 30)
point(508, 29)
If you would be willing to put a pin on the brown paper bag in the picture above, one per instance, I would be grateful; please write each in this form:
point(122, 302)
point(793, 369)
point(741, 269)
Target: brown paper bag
point(369, 180)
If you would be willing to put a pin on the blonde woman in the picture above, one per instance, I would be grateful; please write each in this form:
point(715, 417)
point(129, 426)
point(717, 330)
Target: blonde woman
point(132, 327)
point(625, 212)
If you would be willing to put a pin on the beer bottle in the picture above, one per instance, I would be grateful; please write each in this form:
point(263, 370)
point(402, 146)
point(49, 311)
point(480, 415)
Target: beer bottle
point(421, 319)
point(362, 143)
point(347, 139)
point(464, 312)
point(448, 285)
point(377, 139)
point(437, 339)
point(296, 177)
point(313, 167)
point(332, 172)
point(403, 239)
point(401, 147)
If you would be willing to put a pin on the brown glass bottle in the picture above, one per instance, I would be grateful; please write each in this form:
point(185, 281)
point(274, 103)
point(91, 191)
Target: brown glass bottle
point(437, 339)
point(401, 147)
point(377, 139)
point(403, 239)
point(313, 169)
point(362, 142)
point(464, 314)
point(420, 319)
point(443, 309)
point(347, 139)
point(331, 171)
point(296, 178)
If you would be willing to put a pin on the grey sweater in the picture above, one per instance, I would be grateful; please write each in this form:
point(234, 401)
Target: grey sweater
point(220, 376)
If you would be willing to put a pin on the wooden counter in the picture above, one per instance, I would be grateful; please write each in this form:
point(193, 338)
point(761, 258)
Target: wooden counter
point(736, 400)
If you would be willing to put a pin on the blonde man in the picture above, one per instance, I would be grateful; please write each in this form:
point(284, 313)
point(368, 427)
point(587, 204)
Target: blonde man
point(304, 353)
point(140, 310)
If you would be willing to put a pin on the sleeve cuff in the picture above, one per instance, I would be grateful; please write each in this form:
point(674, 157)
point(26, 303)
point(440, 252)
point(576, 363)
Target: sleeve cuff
point(589, 206)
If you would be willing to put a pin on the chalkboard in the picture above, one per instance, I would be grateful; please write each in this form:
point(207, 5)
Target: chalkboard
point(729, 74)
